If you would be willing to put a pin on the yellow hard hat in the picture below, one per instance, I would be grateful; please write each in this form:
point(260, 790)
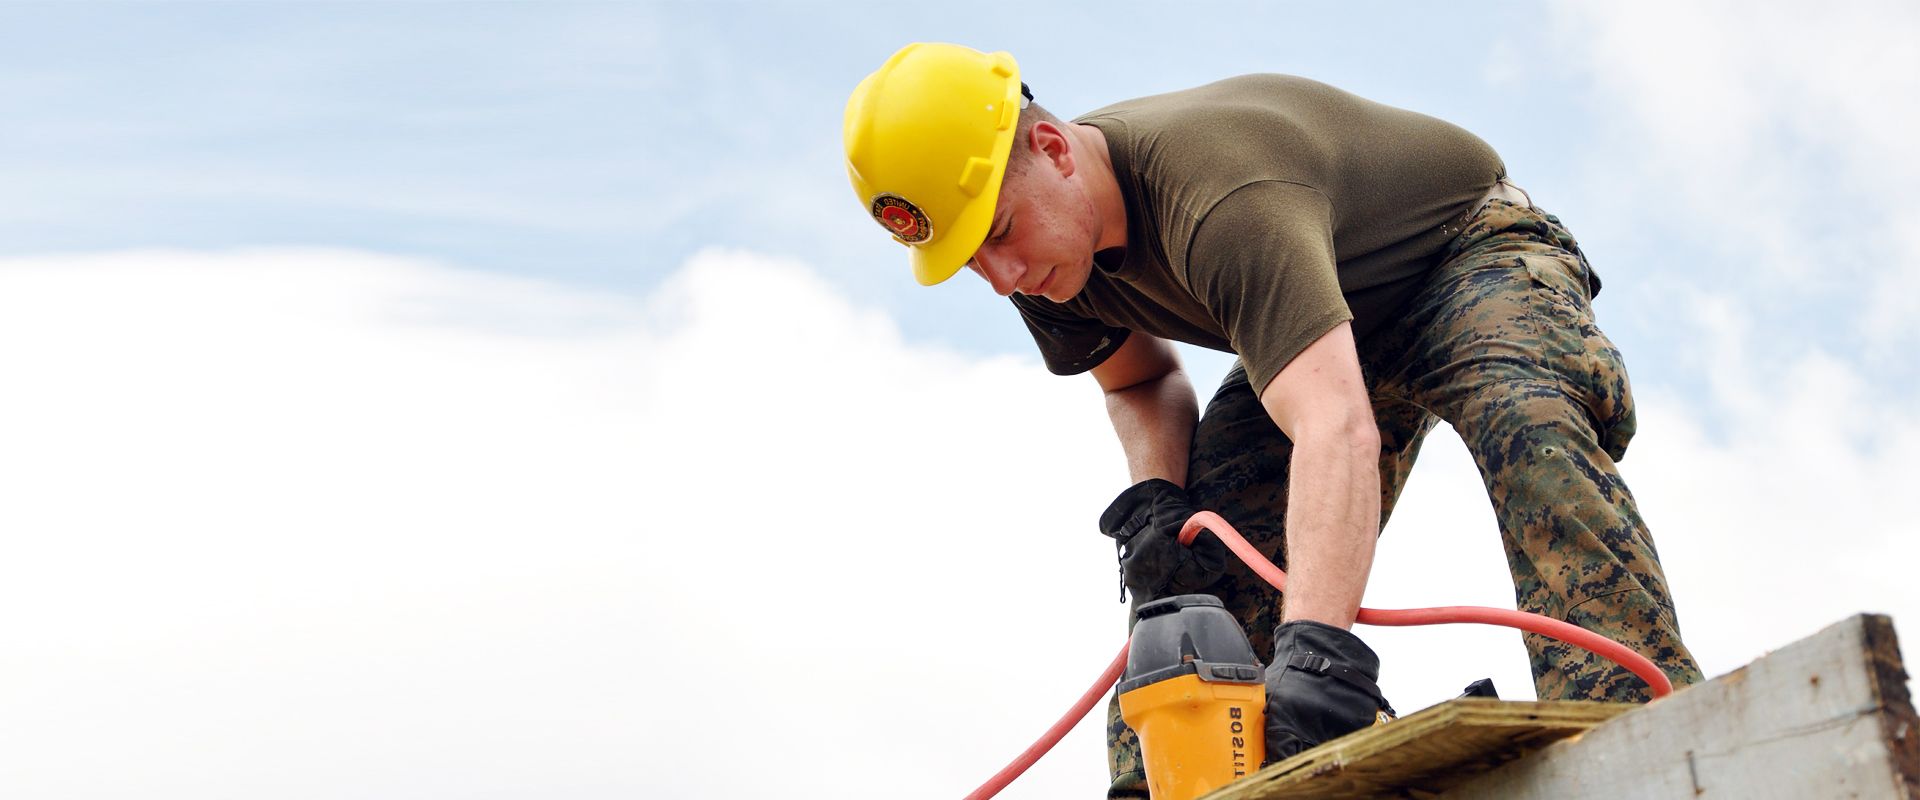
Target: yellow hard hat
point(927, 139)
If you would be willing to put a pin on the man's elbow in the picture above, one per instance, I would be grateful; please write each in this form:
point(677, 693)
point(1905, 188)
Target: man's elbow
point(1363, 438)
point(1347, 429)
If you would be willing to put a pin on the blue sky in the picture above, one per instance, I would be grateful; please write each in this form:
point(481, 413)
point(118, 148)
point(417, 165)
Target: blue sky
point(432, 350)
point(603, 144)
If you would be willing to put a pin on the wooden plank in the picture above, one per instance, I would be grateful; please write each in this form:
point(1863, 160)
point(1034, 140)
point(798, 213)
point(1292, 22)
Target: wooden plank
point(1424, 753)
point(1828, 716)
point(1899, 725)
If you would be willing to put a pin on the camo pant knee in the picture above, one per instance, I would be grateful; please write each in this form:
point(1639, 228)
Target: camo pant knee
point(1502, 345)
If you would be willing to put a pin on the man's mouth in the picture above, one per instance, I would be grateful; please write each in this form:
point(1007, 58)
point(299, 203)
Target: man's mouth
point(1042, 287)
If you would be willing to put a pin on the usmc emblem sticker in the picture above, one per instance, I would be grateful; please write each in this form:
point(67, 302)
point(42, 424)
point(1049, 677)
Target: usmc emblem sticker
point(901, 218)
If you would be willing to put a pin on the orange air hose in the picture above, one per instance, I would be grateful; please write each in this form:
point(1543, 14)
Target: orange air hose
point(1522, 620)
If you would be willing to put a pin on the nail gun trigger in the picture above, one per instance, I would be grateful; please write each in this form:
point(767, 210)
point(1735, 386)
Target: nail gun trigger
point(1481, 688)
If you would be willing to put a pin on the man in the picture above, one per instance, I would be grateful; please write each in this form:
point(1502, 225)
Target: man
point(1375, 273)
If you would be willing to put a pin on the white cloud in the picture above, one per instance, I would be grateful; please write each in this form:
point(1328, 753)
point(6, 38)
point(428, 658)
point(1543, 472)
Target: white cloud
point(326, 523)
point(1789, 510)
point(1774, 135)
point(310, 523)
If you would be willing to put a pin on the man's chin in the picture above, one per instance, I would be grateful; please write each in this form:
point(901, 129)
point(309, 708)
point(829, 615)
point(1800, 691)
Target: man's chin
point(1072, 289)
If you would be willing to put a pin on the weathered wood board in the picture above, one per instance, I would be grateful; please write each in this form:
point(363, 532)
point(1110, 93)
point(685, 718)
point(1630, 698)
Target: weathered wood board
point(1424, 753)
point(1828, 716)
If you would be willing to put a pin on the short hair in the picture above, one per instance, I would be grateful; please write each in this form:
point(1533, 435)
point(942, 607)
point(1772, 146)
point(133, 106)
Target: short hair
point(1022, 131)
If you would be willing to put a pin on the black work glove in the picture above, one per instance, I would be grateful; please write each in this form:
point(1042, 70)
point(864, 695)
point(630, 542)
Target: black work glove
point(1320, 687)
point(1145, 522)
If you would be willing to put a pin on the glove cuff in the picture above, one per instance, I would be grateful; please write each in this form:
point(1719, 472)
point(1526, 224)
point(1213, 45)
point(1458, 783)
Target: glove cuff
point(1308, 636)
point(1142, 495)
point(1321, 649)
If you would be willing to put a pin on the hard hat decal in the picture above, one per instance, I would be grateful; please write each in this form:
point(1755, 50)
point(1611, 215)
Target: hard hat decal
point(935, 124)
point(901, 218)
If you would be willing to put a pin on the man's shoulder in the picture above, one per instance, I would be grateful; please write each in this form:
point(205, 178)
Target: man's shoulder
point(1241, 93)
point(1180, 154)
point(1226, 133)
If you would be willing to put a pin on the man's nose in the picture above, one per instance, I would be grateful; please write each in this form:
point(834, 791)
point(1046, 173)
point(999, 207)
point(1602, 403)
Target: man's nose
point(1000, 271)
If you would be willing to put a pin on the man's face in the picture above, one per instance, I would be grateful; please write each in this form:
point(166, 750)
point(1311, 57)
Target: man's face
point(1043, 234)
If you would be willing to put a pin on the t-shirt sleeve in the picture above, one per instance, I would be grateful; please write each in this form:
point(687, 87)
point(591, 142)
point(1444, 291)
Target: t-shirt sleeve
point(1261, 260)
point(1069, 343)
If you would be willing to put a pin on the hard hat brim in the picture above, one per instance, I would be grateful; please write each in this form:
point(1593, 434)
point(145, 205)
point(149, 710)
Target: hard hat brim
point(941, 259)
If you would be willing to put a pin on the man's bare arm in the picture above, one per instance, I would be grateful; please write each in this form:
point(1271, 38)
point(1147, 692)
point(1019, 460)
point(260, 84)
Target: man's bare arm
point(1333, 499)
point(1152, 406)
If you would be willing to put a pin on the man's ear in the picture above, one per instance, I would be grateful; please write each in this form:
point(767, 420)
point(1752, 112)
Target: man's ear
point(1049, 142)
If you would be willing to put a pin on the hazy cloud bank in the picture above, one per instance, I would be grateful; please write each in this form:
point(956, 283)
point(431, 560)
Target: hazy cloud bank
point(320, 523)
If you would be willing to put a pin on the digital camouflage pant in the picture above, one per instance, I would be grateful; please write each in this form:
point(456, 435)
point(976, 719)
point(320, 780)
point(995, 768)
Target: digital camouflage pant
point(1502, 345)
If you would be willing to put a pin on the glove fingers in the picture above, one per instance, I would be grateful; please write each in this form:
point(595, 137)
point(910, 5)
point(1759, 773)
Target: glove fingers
point(1203, 562)
point(1210, 551)
point(1314, 687)
point(1192, 575)
point(1296, 723)
point(1284, 742)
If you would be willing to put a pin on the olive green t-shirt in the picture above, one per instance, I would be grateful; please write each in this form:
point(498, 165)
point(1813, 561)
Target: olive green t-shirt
point(1262, 211)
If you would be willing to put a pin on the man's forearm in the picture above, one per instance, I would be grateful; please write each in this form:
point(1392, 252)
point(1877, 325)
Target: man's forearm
point(1154, 420)
point(1333, 522)
point(1333, 495)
